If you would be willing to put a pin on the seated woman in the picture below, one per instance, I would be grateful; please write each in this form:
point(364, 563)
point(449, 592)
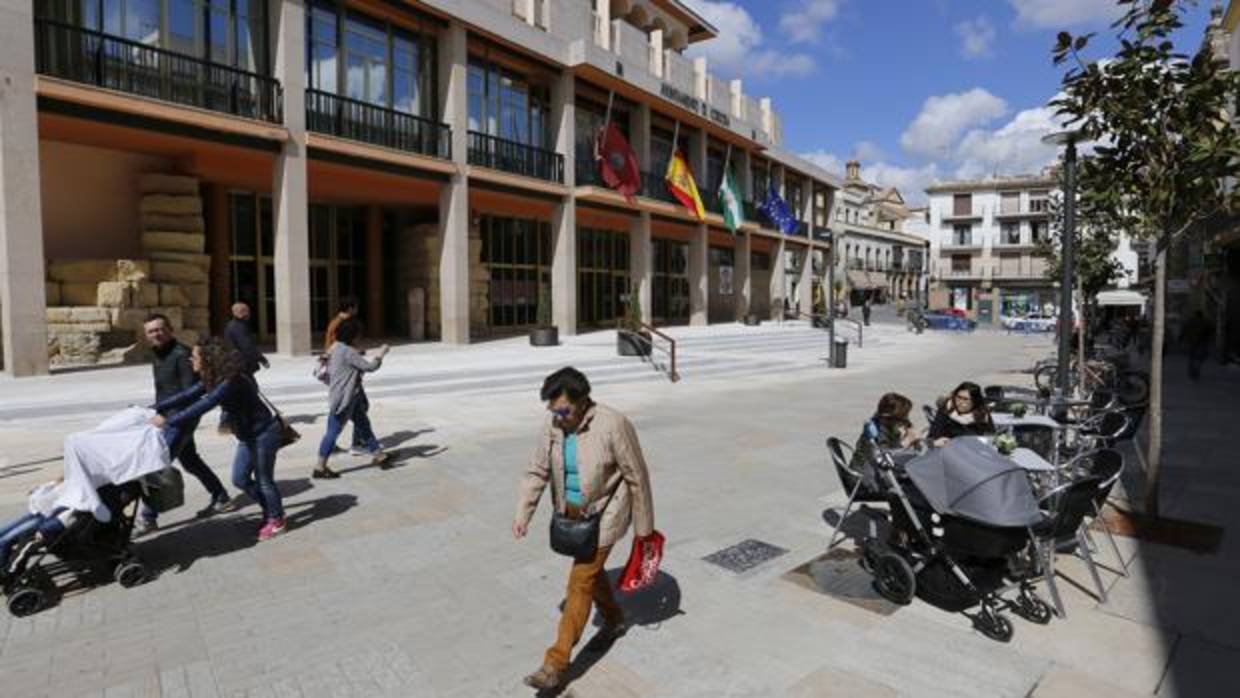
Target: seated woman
point(964, 413)
point(894, 431)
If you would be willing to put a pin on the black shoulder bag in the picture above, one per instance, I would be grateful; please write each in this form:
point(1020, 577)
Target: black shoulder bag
point(576, 538)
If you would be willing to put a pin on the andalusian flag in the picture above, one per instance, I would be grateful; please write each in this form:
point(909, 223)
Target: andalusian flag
point(680, 183)
point(730, 198)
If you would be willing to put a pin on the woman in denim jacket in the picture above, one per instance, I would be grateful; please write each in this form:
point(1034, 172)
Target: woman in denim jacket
point(224, 382)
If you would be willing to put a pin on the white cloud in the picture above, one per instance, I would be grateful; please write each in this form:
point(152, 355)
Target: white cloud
point(1060, 14)
point(868, 151)
point(739, 50)
point(976, 37)
point(804, 22)
point(944, 118)
point(911, 181)
point(1014, 148)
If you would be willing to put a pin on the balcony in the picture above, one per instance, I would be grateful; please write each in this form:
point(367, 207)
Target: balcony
point(115, 63)
point(631, 44)
point(654, 187)
point(961, 246)
point(370, 123)
point(962, 217)
point(1020, 215)
point(518, 158)
point(678, 72)
point(802, 230)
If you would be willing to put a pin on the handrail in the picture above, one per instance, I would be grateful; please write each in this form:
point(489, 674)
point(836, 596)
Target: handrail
point(513, 156)
point(356, 120)
point(114, 62)
point(821, 318)
point(672, 374)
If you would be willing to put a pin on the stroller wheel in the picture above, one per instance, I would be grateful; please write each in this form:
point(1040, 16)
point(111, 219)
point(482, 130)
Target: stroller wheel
point(870, 550)
point(130, 574)
point(993, 625)
point(1032, 609)
point(894, 579)
point(26, 601)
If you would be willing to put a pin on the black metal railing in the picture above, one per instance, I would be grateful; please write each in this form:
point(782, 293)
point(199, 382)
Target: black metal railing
point(90, 57)
point(802, 229)
point(655, 187)
point(518, 158)
point(752, 214)
point(587, 172)
point(370, 123)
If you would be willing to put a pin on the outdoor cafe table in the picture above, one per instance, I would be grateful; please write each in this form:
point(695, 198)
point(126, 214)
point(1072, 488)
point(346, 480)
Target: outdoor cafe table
point(1004, 419)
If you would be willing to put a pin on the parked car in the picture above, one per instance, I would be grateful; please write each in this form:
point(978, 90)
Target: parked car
point(1034, 322)
point(943, 320)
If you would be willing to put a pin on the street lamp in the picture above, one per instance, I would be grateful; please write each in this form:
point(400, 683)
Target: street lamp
point(1068, 140)
point(830, 295)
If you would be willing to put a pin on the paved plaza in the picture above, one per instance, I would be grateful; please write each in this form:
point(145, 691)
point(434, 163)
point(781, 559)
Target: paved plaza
point(407, 582)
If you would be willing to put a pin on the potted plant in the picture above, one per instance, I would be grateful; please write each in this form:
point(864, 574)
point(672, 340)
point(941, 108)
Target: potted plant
point(544, 333)
point(631, 339)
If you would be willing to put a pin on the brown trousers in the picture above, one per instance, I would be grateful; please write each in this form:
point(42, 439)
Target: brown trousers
point(587, 583)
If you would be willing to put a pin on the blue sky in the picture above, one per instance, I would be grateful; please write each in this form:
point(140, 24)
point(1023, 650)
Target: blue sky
point(918, 90)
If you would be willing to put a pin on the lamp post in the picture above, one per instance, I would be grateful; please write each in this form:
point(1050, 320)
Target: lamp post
point(831, 299)
point(1068, 140)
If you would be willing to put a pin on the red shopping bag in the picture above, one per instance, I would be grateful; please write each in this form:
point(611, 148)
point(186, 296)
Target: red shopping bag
point(643, 564)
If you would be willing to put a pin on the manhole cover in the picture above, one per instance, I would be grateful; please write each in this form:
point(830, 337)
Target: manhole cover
point(839, 575)
point(745, 555)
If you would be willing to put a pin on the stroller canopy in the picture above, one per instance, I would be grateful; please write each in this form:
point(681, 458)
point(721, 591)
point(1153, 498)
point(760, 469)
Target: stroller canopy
point(970, 479)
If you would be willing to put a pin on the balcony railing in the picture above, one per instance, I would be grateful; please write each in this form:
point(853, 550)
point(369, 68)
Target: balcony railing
point(115, 63)
point(510, 156)
point(371, 123)
point(678, 71)
point(655, 187)
point(587, 172)
point(802, 229)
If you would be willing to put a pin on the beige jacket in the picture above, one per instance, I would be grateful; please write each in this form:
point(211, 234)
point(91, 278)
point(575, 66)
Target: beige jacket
point(608, 456)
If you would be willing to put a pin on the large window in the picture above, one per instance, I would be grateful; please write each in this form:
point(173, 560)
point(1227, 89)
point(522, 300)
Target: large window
point(505, 104)
point(602, 275)
point(820, 207)
point(227, 32)
point(1010, 234)
point(1037, 231)
point(589, 118)
point(517, 254)
point(670, 273)
point(962, 205)
point(1009, 202)
point(962, 235)
point(337, 259)
point(370, 60)
point(251, 267)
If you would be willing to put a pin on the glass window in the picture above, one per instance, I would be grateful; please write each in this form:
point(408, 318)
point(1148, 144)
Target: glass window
point(1011, 234)
point(963, 235)
point(504, 104)
point(323, 67)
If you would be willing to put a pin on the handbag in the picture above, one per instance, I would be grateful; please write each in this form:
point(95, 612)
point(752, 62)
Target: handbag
point(163, 490)
point(643, 565)
point(577, 538)
point(320, 371)
point(288, 435)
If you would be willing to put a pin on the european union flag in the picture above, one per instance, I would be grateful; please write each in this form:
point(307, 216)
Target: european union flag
point(777, 211)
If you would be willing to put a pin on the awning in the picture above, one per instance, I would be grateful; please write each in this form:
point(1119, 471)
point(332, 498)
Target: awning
point(1113, 298)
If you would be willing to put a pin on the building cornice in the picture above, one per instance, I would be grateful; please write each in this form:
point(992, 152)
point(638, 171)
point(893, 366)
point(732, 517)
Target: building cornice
point(961, 186)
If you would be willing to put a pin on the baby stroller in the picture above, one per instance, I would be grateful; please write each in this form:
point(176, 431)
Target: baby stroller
point(960, 519)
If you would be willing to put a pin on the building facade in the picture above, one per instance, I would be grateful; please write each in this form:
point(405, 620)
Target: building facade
point(984, 235)
point(879, 260)
point(434, 159)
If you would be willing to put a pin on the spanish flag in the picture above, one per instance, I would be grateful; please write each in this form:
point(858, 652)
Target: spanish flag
point(680, 183)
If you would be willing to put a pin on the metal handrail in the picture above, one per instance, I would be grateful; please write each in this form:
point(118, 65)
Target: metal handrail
point(513, 156)
point(337, 115)
point(672, 374)
point(821, 317)
point(116, 63)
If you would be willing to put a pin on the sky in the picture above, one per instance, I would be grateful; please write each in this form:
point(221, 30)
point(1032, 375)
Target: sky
point(917, 90)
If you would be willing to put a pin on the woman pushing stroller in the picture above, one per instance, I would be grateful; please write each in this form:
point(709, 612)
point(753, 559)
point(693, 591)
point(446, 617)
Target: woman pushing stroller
point(224, 382)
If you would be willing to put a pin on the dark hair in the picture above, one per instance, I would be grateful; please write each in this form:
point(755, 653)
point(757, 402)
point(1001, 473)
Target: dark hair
point(348, 304)
point(158, 316)
point(567, 381)
point(348, 331)
point(893, 408)
point(220, 362)
point(981, 415)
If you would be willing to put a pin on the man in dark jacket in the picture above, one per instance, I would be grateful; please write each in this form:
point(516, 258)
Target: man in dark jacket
point(174, 373)
point(239, 334)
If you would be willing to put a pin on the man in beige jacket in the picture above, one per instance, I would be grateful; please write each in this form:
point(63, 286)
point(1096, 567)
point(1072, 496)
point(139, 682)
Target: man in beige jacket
point(587, 452)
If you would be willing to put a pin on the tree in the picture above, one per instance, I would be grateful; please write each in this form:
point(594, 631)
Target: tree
point(1166, 143)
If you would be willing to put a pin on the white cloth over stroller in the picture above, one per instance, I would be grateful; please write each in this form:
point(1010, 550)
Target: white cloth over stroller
point(123, 448)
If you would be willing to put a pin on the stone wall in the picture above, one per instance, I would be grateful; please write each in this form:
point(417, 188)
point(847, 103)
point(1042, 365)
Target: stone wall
point(419, 268)
point(96, 307)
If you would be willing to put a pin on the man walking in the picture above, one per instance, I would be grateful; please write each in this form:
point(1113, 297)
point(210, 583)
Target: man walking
point(241, 336)
point(173, 373)
point(865, 311)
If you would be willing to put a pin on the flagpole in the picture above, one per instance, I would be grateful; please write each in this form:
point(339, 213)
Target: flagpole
point(598, 140)
point(675, 139)
point(727, 159)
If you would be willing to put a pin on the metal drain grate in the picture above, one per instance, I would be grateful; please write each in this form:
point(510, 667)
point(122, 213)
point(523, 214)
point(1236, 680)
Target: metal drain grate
point(745, 555)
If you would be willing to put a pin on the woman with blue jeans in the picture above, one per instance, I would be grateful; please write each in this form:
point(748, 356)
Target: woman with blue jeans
point(346, 399)
point(224, 383)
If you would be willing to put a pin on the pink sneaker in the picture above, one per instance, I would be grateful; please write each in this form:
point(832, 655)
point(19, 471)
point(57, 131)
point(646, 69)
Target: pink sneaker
point(273, 527)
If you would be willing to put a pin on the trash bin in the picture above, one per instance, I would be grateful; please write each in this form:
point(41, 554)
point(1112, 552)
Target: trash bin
point(840, 353)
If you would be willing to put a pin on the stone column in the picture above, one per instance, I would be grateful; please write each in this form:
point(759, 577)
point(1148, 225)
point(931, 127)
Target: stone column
point(699, 277)
point(289, 199)
point(454, 290)
point(374, 272)
point(640, 137)
point(656, 52)
point(641, 264)
point(23, 295)
point(564, 217)
point(742, 287)
point(777, 280)
point(602, 26)
point(805, 288)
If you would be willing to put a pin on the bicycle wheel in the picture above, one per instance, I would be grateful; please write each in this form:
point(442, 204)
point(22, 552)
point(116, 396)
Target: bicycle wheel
point(1044, 377)
point(1133, 387)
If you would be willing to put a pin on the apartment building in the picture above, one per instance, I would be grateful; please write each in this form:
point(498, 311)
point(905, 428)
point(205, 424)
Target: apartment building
point(879, 259)
point(984, 235)
point(433, 158)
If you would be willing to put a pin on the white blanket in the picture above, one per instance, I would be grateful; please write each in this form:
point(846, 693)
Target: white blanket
point(121, 449)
